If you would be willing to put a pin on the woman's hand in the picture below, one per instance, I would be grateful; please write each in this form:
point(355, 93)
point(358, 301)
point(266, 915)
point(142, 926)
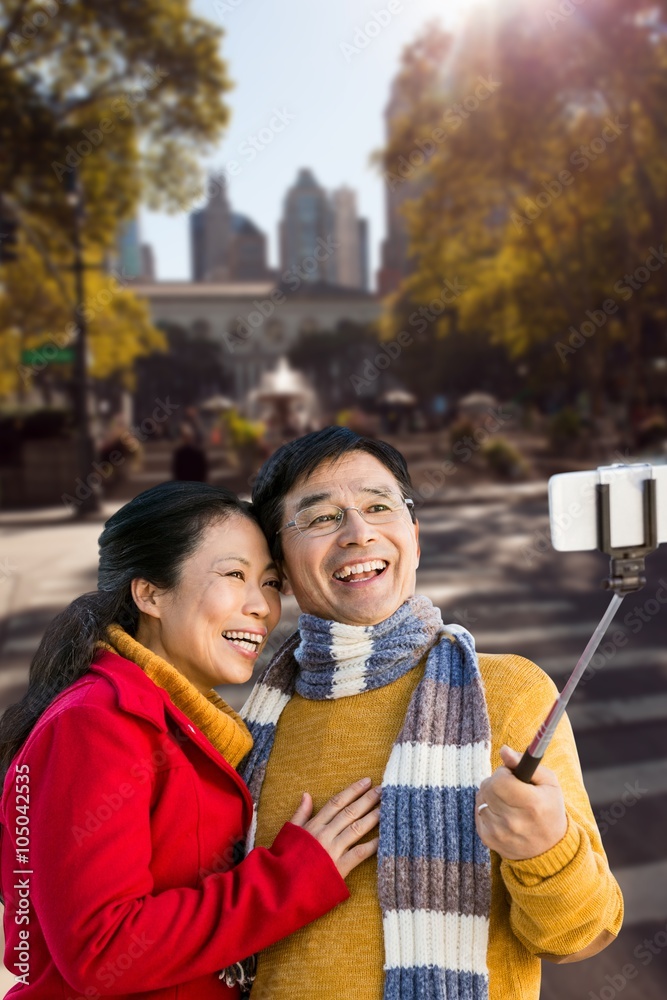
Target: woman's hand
point(342, 822)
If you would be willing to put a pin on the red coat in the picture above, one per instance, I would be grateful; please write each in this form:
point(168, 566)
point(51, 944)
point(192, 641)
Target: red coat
point(133, 818)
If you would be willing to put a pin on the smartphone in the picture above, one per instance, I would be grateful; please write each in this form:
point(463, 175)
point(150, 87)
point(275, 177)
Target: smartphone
point(573, 506)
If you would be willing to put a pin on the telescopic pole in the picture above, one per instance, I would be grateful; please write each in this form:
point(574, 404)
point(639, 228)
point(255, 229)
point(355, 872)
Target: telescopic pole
point(528, 764)
point(626, 576)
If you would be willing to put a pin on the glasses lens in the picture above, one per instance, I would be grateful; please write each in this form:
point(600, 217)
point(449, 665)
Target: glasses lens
point(377, 510)
point(322, 519)
point(318, 520)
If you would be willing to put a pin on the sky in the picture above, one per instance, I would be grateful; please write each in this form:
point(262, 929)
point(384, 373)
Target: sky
point(313, 77)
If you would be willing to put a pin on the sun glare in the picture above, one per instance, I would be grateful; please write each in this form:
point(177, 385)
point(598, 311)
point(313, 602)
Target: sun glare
point(455, 13)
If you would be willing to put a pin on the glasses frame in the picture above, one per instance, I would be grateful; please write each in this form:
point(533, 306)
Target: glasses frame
point(409, 504)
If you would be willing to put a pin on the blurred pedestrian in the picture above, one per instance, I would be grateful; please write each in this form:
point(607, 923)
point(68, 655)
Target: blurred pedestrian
point(193, 418)
point(119, 452)
point(189, 462)
point(439, 408)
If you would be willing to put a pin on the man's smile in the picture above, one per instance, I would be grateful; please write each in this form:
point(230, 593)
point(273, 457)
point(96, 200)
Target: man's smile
point(361, 572)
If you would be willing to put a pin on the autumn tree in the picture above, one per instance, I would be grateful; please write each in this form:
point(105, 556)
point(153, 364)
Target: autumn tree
point(192, 369)
point(125, 97)
point(129, 93)
point(37, 322)
point(334, 361)
point(534, 149)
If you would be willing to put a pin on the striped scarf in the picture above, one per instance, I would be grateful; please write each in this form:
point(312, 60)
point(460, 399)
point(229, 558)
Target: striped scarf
point(434, 880)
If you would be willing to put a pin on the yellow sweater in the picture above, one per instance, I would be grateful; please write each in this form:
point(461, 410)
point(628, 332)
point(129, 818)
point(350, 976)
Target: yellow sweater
point(563, 902)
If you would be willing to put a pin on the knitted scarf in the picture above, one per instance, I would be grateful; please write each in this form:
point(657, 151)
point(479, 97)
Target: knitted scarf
point(434, 879)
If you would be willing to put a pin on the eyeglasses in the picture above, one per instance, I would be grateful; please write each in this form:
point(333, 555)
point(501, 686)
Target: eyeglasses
point(325, 518)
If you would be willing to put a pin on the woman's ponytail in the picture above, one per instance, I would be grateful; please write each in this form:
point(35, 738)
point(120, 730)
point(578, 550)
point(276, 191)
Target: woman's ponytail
point(64, 655)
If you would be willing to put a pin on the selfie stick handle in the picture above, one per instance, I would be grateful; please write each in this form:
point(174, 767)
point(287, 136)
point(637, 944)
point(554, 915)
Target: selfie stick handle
point(530, 761)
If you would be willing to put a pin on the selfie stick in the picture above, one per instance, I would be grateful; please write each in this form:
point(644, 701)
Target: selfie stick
point(626, 576)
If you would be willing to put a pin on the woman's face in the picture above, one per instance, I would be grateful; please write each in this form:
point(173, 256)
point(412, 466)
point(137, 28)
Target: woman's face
point(212, 625)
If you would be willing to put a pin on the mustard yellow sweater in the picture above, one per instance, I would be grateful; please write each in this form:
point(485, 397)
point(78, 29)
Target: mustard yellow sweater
point(563, 903)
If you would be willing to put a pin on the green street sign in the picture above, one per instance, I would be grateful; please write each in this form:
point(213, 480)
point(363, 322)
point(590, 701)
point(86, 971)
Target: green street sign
point(48, 354)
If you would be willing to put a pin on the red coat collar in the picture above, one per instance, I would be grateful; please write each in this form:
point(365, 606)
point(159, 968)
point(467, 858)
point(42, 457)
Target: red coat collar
point(138, 695)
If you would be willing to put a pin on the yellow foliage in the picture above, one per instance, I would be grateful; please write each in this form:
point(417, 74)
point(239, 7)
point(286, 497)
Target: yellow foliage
point(37, 312)
point(542, 194)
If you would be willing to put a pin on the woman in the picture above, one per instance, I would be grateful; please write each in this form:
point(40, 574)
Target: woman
point(122, 812)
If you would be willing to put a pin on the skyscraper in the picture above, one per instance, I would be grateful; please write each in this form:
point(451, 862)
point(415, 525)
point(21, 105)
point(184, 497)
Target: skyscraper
point(129, 248)
point(147, 262)
point(133, 259)
point(307, 223)
point(197, 219)
point(247, 254)
point(225, 246)
point(348, 258)
point(394, 264)
point(217, 232)
point(364, 248)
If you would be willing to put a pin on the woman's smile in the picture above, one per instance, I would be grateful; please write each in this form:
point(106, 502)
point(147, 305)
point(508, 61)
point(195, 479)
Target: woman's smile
point(247, 643)
point(213, 624)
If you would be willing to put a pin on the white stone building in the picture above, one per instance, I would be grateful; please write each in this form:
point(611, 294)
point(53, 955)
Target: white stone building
point(256, 322)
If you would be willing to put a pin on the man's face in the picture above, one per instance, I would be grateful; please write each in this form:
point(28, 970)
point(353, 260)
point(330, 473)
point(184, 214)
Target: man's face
point(317, 567)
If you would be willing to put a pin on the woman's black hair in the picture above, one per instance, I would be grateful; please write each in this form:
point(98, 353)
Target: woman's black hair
point(299, 458)
point(149, 537)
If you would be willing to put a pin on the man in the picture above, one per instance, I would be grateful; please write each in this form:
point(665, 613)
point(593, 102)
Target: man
point(478, 876)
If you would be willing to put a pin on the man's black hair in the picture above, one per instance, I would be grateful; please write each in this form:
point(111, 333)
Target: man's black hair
point(299, 458)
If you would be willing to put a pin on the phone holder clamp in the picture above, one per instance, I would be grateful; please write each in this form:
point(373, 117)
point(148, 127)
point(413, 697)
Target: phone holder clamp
point(626, 565)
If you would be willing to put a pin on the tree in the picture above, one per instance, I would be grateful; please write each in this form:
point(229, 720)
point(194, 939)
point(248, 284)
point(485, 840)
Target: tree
point(122, 97)
point(128, 93)
point(337, 362)
point(37, 315)
point(192, 369)
point(545, 192)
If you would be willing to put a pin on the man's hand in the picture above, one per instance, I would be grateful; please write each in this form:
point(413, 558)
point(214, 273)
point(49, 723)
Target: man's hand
point(522, 820)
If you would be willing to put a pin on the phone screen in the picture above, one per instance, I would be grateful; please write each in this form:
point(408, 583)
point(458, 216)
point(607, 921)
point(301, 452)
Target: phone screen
point(573, 506)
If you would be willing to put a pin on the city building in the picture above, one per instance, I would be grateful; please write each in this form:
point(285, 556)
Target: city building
point(347, 260)
point(313, 219)
point(129, 249)
point(306, 227)
point(247, 252)
point(197, 257)
point(364, 251)
point(132, 258)
point(217, 232)
point(225, 246)
point(256, 322)
point(147, 263)
point(394, 264)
